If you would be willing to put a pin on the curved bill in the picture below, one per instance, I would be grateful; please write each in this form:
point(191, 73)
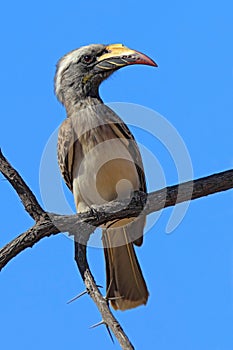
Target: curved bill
point(118, 55)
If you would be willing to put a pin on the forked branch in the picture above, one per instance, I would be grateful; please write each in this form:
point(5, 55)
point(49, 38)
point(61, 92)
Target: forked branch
point(47, 224)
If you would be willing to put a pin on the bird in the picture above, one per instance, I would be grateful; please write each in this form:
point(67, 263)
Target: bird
point(100, 161)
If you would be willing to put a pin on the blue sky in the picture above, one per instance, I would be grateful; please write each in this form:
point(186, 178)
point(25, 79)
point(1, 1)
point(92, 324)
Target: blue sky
point(190, 271)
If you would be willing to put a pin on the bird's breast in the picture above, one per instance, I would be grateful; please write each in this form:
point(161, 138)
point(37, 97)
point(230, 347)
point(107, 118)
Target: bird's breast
point(106, 170)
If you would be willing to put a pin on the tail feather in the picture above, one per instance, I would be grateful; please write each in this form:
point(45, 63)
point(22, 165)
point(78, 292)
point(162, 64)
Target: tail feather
point(126, 287)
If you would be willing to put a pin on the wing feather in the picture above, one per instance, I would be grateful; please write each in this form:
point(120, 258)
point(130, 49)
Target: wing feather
point(65, 151)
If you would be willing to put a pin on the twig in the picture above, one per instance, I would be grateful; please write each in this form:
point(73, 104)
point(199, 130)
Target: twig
point(28, 199)
point(107, 317)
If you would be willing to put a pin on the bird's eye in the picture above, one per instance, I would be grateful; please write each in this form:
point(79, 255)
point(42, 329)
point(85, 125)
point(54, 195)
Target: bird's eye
point(87, 58)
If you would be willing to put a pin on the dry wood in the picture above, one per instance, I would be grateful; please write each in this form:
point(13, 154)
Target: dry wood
point(47, 224)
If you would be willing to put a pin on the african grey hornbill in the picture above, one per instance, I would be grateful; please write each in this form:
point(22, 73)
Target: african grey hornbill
point(100, 160)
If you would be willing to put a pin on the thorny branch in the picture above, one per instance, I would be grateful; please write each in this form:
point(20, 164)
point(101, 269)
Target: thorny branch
point(47, 224)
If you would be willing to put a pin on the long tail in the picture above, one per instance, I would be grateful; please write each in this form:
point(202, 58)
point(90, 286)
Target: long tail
point(125, 283)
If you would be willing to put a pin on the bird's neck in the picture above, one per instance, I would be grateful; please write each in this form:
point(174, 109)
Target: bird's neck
point(77, 103)
point(77, 91)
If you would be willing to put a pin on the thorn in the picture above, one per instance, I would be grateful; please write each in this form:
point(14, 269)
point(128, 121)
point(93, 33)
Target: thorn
point(108, 289)
point(98, 324)
point(114, 298)
point(81, 294)
point(77, 296)
point(110, 334)
point(99, 286)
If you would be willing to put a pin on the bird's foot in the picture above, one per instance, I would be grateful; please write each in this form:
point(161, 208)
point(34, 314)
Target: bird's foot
point(95, 213)
point(139, 197)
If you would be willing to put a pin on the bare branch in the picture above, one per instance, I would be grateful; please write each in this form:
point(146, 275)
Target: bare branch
point(28, 199)
point(107, 317)
point(27, 239)
point(85, 223)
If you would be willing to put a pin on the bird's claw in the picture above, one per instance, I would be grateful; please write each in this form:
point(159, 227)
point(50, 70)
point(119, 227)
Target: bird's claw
point(139, 197)
point(95, 213)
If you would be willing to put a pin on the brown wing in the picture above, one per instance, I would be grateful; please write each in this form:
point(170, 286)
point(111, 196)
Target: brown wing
point(65, 151)
point(122, 131)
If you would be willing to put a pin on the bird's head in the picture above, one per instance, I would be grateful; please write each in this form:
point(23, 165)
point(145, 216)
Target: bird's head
point(80, 72)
